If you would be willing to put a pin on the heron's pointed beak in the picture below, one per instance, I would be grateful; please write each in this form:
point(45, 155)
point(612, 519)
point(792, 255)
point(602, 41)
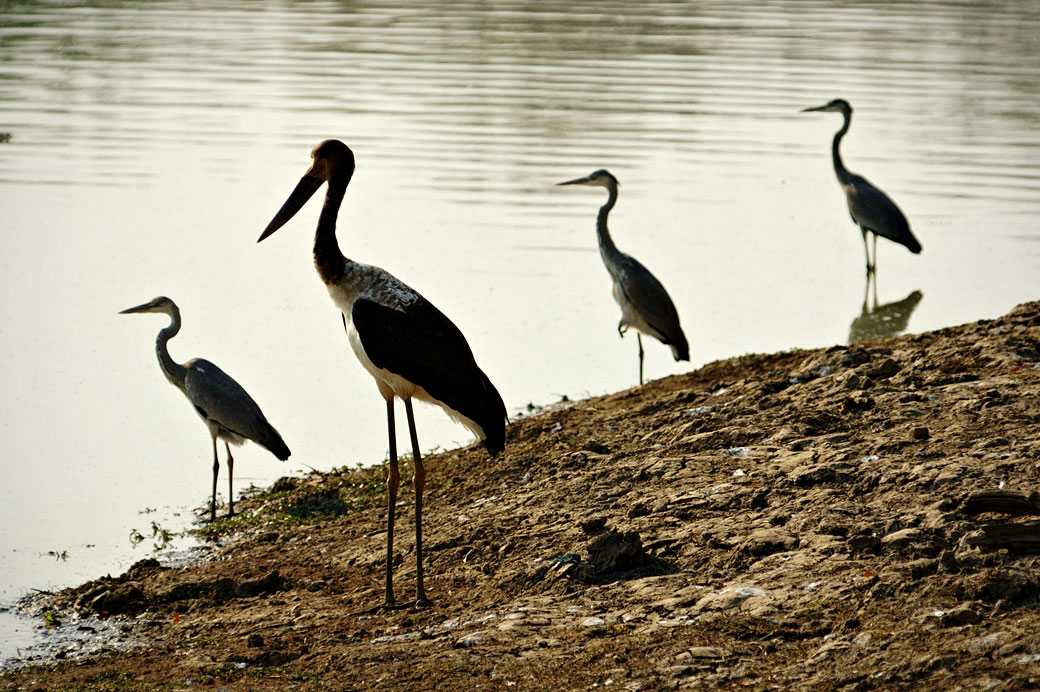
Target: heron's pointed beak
point(578, 181)
point(815, 108)
point(138, 308)
point(306, 188)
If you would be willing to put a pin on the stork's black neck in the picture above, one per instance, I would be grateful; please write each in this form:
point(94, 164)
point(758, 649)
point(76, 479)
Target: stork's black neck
point(607, 249)
point(328, 259)
point(839, 167)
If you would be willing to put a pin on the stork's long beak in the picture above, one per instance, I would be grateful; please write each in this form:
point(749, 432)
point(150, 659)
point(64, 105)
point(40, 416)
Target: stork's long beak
point(816, 108)
point(578, 181)
point(138, 308)
point(306, 188)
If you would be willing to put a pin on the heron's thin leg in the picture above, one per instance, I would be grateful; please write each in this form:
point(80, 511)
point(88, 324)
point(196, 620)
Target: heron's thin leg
point(418, 482)
point(639, 340)
point(866, 249)
point(874, 265)
point(393, 480)
point(216, 470)
point(230, 484)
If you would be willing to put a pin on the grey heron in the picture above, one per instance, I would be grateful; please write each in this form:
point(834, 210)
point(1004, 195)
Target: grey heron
point(645, 305)
point(871, 209)
point(409, 346)
point(228, 411)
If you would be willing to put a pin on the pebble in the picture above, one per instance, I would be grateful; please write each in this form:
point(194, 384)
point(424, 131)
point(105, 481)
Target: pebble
point(681, 621)
point(900, 540)
point(395, 637)
point(883, 370)
point(593, 524)
point(728, 598)
point(983, 643)
point(470, 640)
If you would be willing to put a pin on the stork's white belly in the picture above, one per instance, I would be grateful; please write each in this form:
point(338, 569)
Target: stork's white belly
point(391, 384)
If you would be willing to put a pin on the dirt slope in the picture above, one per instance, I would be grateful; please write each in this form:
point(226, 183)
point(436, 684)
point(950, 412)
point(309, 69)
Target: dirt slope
point(847, 518)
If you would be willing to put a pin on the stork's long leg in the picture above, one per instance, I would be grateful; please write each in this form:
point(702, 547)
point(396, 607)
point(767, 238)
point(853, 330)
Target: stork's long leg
point(216, 470)
point(639, 340)
point(393, 480)
point(873, 266)
point(230, 480)
point(418, 482)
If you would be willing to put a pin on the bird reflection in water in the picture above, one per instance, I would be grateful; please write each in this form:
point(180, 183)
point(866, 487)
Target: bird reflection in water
point(880, 321)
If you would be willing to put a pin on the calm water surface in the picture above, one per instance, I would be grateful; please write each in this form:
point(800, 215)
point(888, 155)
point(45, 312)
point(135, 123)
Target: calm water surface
point(150, 143)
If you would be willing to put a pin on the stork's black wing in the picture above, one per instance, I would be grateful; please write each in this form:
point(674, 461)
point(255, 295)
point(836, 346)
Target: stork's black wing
point(422, 345)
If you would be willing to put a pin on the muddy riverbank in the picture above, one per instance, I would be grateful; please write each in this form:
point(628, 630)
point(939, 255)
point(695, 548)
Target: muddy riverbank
point(855, 518)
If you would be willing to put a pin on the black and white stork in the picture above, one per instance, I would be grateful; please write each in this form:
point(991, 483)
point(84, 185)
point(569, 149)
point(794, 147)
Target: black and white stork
point(408, 345)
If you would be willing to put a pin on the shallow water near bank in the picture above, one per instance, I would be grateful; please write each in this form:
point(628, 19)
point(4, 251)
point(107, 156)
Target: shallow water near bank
point(150, 143)
point(31, 632)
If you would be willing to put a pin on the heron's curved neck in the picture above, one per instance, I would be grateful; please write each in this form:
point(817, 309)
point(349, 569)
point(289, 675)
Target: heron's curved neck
point(607, 248)
point(839, 167)
point(328, 259)
point(175, 372)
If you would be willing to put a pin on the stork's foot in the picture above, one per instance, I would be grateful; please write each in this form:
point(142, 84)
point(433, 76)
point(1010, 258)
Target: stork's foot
point(421, 602)
point(384, 607)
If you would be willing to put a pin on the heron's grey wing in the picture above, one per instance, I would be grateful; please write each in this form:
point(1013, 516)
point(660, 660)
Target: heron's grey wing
point(650, 299)
point(219, 398)
point(422, 345)
point(875, 211)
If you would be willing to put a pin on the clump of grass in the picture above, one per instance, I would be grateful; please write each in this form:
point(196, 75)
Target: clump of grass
point(743, 628)
point(120, 678)
point(195, 642)
point(162, 536)
point(319, 496)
